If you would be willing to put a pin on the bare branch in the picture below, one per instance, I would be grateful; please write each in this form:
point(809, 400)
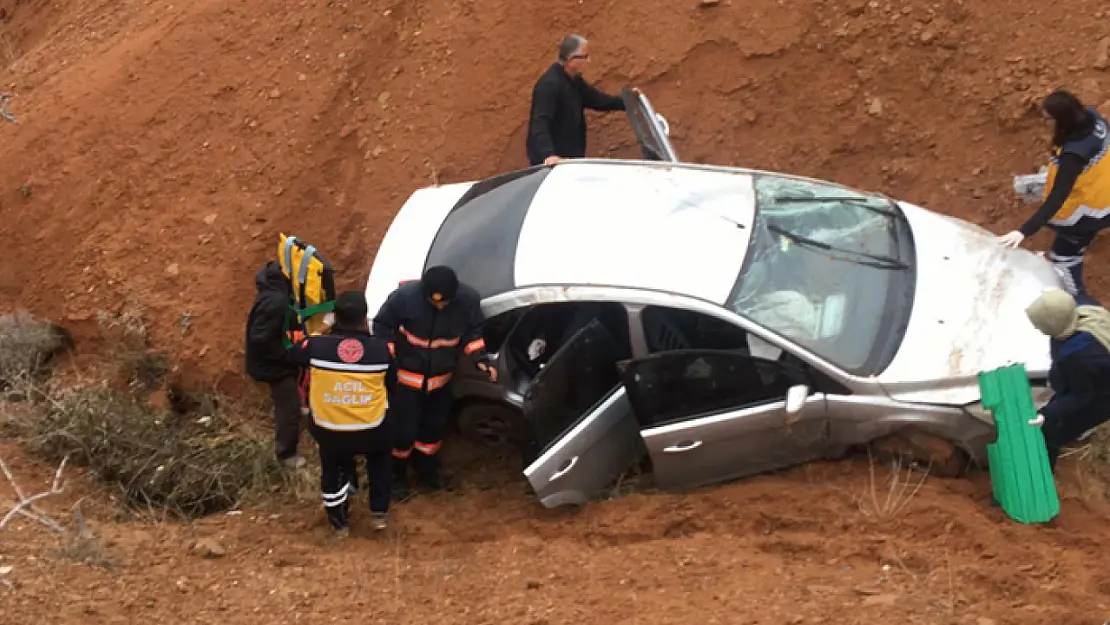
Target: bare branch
point(28, 503)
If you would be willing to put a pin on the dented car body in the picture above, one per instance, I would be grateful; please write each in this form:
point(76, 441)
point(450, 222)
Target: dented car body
point(721, 321)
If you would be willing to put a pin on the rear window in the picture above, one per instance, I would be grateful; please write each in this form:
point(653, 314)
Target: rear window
point(478, 239)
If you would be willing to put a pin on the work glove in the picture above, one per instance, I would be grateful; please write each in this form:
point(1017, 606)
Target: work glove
point(1039, 421)
point(1011, 239)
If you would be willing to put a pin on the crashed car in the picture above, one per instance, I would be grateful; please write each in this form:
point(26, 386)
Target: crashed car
point(720, 321)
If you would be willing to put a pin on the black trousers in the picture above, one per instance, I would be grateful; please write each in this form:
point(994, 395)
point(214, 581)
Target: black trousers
point(338, 474)
point(287, 416)
point(419, 421)
point(1066, 428)
point(1068, 253)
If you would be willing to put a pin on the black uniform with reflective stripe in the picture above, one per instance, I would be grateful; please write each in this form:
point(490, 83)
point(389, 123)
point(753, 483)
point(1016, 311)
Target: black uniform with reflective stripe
point(427, 341)
point(360, 396)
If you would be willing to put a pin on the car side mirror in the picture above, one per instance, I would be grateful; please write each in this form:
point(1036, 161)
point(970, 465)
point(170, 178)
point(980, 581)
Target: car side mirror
point(796, 398)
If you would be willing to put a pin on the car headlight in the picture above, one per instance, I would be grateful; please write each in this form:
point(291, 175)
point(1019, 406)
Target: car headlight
point(1041, 395)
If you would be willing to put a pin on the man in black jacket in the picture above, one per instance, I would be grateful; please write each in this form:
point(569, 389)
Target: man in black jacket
point(557, 123)
point(267, 361)
point(426, 323)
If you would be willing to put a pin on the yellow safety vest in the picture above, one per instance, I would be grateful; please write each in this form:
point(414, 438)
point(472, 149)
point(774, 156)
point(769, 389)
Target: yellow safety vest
point(348, 394)
point(1090, 198)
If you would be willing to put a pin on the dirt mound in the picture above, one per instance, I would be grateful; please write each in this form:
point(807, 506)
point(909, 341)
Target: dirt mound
point(162, 147)
point(809, 546)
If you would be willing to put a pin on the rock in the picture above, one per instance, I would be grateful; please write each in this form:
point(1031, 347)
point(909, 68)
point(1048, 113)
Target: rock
point(708, 3)
point(275, 94)
point(1102, 55)
point(210, 219)
point(875, 107)
point(209, 548)
point(173, 270)
point(928, 36)
point(867, 590)
point(856, 8)
point(880, 600)
point(383, 99)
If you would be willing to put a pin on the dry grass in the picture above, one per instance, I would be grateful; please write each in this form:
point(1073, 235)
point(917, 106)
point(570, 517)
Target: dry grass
point(896, 494)
point(183, 462)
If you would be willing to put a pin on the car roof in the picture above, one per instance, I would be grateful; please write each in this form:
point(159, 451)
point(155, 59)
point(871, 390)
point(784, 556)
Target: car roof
point(646, 226)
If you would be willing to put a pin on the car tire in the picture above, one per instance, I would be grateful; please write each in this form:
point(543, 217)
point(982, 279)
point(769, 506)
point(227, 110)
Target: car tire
point(491, 425)
point(941, 457)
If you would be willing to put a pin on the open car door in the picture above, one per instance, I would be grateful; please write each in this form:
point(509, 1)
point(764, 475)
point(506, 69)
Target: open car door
point(581, 421)
point(650, 127)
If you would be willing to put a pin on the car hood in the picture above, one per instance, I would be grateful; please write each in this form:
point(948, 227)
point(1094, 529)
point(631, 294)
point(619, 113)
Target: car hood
point(968, 312)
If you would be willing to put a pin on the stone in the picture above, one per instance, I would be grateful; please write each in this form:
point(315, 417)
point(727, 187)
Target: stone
point(209, 548)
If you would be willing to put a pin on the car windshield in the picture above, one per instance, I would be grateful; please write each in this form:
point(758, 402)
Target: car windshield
point(830, 268)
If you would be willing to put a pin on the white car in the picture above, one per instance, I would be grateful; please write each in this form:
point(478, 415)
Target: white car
point(725, 321)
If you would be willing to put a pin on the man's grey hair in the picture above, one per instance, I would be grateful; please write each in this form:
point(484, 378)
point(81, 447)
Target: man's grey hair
point(570, 45)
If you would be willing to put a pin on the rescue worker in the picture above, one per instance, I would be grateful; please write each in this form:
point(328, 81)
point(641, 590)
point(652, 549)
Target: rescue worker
point(557, 122)
point(428, 322)
point(1080, 371)
point(350, 410)
point(1077, 206)
point(266, 360)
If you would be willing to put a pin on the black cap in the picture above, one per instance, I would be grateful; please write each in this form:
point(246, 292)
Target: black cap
point(439, 283)
point(350, 309)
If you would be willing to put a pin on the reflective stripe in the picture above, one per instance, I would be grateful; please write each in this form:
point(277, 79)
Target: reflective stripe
point(474, 346)
point(343, 366)
point(438, 381)
point(402, 454)
point(425, 343)
point(416, 380)
point(428, 449)
point(332, 500)
point(344, 427)
point(392, 349)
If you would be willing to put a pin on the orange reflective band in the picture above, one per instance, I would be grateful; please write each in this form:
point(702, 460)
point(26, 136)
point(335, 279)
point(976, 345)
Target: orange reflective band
point(438, 381)
point(474, 346)
point(428, 449)
point(408, 378)
point(392, 350)
point(416, 381)
point(402, 454)
point(428, 344)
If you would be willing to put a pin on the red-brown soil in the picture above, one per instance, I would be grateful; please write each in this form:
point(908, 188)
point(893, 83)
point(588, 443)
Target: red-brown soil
point(162, 146)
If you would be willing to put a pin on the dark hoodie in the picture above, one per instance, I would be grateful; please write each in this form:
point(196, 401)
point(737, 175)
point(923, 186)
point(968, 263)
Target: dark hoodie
point(266, 359)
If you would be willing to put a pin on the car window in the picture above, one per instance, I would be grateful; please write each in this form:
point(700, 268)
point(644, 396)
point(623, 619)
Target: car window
point(582, 374)
point(668, 329)
point(545, 328)
point(676, 386)
point(496, 329)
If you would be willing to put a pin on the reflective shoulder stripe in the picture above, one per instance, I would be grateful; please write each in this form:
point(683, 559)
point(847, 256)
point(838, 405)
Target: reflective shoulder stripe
point(347, 427)
point(343, 366)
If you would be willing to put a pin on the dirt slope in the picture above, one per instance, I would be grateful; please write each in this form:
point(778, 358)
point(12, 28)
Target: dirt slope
point(162, 146)
point(805, 547)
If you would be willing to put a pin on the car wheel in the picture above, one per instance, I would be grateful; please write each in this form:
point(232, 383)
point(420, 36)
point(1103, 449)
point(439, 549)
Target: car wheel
point(939, 456)
point(491, 425)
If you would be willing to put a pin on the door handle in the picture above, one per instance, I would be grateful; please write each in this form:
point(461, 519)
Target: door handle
point(681, 447)
point(567, 466)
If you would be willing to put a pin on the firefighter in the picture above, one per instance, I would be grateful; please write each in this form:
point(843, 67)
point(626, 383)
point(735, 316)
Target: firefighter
point(350, 410)
point(427, 323)
point(1078, 202)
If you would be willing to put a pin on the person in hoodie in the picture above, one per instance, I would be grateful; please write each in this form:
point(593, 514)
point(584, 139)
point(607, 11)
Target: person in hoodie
point(1080, 372)
point(267, 360)
point(1077, 205)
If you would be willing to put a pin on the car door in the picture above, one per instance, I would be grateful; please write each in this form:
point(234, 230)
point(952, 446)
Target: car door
point(712, 415)
point(651, 129)
point(582, 427)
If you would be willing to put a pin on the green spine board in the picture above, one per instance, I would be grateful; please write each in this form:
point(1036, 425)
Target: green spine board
point(1021, 479)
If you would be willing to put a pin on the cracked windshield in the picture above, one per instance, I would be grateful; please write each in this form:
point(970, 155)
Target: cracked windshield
point(822, 267)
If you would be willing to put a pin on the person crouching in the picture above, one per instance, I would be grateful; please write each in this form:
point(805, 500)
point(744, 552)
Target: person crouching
point(1080, 371)
point(350, 410)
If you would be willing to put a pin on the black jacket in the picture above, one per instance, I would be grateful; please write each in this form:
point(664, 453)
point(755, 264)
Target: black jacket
point(266, 359)
point(557, 123)
point(1080, 381)
point(427, 341)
